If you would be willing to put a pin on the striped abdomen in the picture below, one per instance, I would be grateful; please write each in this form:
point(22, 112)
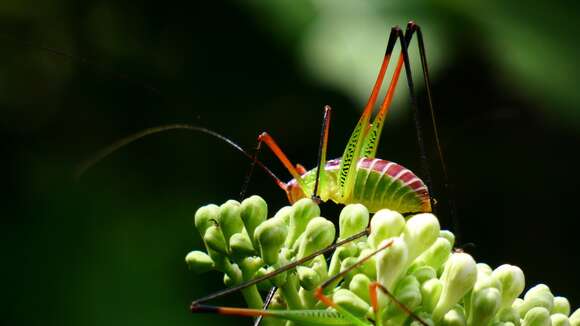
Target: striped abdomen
point(378, 184)
point(383, 184)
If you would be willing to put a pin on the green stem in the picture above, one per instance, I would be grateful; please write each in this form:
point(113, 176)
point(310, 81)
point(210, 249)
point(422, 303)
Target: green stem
point(290, 293)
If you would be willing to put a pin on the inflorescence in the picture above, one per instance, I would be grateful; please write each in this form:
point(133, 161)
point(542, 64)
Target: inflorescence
point(420, 267)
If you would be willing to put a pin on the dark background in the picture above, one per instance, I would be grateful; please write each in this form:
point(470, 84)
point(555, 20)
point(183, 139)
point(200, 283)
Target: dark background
point(108, 250)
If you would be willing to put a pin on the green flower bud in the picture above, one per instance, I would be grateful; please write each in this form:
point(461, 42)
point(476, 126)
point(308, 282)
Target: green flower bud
point(302, 212)
point(538, 296)
point(385, 224)
point(205, 217)
point(431, 292)
point(508, 314)
point(458, 277)
point(214, 239)
point(319, 234)
point(254, 211)
point(518, 302)
point(436, 255)
point(537, 316)
point(484, 305)
point(408, 292)
point(250, 266)
point(561, 305)
point(454, 317)
point(284, 213)
point(234, 274)
point(369, 267)
point(320, 266)
point(575, 318)
point(424, 273)
point(240, 245)
point(559, 320)
point(199, 262)
point(391, 262)
point(351, 302)
point(420, 233)
point(229, 218)
point(449, 236)
point(484, 268)
point(354, 218)
point(308, 277)
point(265, 285)
point(512, 282)
point(359, 285)
point(346, 264)
point(270, 237)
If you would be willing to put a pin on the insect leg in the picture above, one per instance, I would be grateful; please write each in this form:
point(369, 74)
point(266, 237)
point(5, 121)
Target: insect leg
point(374, 302)
point(352, 152)
point(320, 164)
point(412, 27)
point(282, 269)
point(269, 141)
point(322, 149)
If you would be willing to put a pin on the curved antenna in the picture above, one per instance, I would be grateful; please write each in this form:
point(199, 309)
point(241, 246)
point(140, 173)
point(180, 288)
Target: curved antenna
point(105, 152)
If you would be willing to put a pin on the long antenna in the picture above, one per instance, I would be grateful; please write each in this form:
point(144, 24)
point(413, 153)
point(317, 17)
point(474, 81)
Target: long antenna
point(100, 155)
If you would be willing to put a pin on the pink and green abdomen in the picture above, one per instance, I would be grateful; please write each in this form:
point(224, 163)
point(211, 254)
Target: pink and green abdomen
point(378, 184)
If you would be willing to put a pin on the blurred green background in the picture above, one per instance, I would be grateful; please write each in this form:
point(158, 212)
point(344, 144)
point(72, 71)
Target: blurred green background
point(109, 250)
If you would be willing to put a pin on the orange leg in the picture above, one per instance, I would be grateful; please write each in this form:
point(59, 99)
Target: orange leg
point(269, 141)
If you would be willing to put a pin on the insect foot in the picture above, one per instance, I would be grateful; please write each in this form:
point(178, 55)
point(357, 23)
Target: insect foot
point(383, 269)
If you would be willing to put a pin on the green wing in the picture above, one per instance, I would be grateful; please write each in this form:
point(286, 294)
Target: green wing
point(351, 155)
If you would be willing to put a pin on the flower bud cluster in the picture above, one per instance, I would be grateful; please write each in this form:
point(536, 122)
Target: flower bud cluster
point(417, 265)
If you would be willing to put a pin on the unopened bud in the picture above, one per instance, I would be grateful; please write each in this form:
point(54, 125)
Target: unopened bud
point(424, 273)
point(420, 233)
point(385, 224)
point(254, 211)
point(454, 317)
point(575, 318)
point(302, 212)
point(369, 267)
point(229, 218)
point(508, 314)
point(561, 305)
point(240, 245)
point(354, 218)
point(484, 305)
point(351, 302)
point(512, 282)
point(319, 234)
point(199, 262)
point(308, 277)
point(431, 292)
point(537, 316)
point(205, 217)
point(270, 236)
point(359, 285)
point(559, 320)
point(436, 255)
point(214, 239)
point(391, 261)
point(448, 235)
point(458, 277)
point(538, 296)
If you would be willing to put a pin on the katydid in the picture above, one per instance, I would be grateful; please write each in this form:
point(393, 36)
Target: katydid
point(358, 176)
